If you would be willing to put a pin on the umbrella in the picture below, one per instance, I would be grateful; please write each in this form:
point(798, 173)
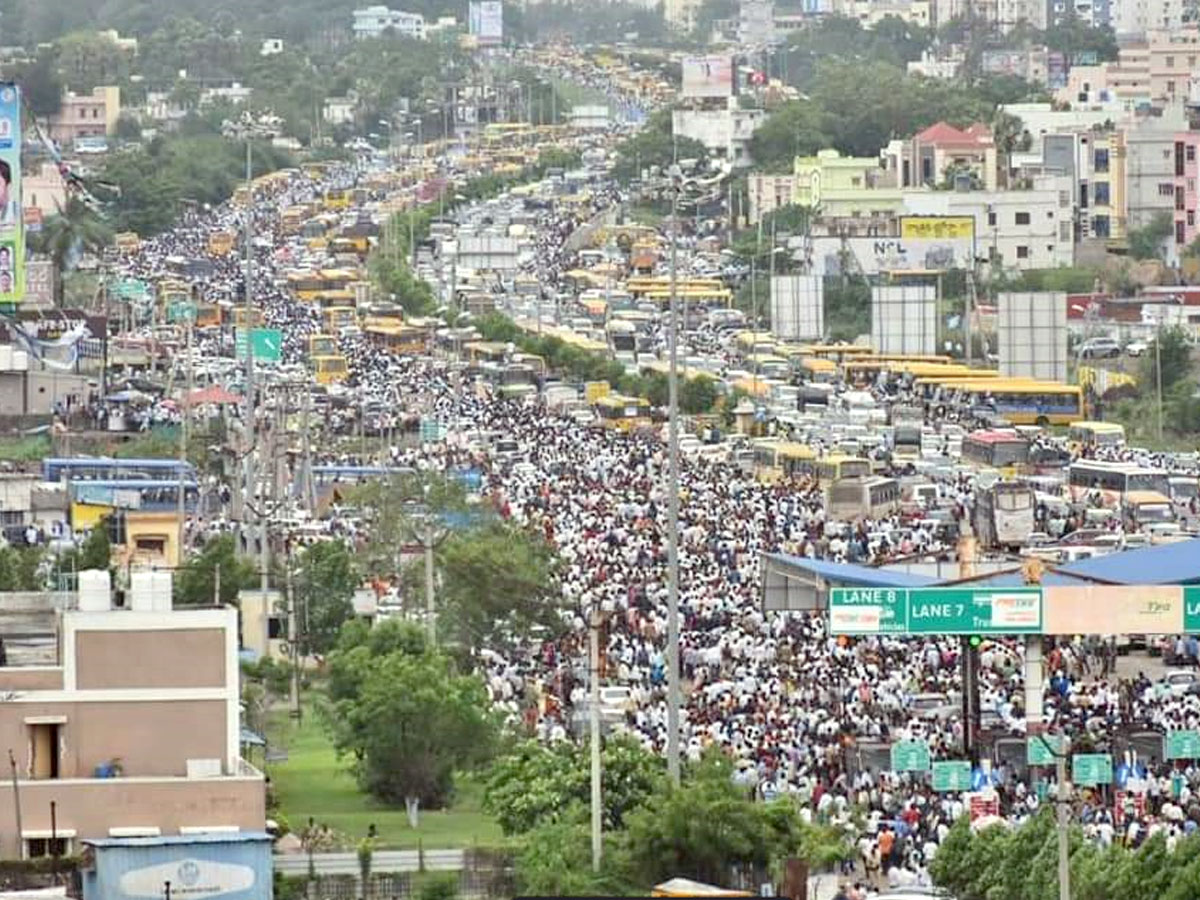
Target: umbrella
point(213, 394)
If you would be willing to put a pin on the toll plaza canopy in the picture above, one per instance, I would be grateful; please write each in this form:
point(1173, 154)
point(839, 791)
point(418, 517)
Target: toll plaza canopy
point(801, 583)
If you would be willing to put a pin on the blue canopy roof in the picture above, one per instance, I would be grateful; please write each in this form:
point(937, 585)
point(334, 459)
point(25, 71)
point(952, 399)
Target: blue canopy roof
point(849, 573)
point(1177, 563)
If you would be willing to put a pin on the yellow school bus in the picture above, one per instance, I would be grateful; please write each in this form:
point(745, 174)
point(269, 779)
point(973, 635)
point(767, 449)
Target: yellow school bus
point(220, 243)
point(336, 198)
point(330, 369)
point(335, 318)
point(623, 413)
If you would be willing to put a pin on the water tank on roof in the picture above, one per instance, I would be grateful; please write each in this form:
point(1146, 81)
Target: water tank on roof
point(95, 590)
point(150, 591)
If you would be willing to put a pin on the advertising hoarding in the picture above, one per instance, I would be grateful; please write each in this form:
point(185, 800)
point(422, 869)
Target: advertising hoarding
point(707, 76)
point(797, 307)
point(876, 255)
point(12, 228)
point(487, 21)
point(904, 318)
point(937, 227)
point(1032, 332)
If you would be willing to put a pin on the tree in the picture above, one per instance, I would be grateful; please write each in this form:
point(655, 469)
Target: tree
point(555, 860)
point(195, 582)
point(41, 87)
point(68, 234)
point(496, 579)
point(410, 724)
point(655, 145)
point(1173, 354)
point(1147, 241)
point(326, 584)
point(700, 829)
point(533, 784)
point(19, 568)
point(96, 550)
point(795, 129)
point(697, 395)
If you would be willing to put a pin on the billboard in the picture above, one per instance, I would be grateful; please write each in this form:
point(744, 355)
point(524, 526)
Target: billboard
point(875, 255)
point(707, 76)
point(1032, 332)
point(797, 307)
point(937, 227)
point(12, 228)
point(904, 318)
point(486, 20)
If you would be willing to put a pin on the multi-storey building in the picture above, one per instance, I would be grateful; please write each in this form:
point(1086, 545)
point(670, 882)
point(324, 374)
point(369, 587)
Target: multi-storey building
point(85, 115)
point(128, 723)
point(374, 21)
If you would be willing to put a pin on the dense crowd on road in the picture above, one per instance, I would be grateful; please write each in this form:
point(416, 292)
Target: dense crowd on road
point(788, 701)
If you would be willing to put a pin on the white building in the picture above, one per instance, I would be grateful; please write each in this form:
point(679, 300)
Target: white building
point(375, 20)
point(1025, 229)
point(1132, 19)
point(724, 132)
point(271, 46)
point(236, 93)
point(339, 110)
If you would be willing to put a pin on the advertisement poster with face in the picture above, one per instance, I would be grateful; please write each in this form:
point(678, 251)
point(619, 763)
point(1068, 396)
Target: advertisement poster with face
point(12, 248)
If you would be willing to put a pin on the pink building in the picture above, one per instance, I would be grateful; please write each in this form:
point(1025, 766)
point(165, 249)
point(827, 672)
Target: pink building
point(130, 725)
point(86, 115)
point(1185, 187)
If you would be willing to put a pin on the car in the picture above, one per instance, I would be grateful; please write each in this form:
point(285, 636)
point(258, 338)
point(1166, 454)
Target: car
point(1178, 681)
point(1099, 348)
point(934, 706)
point(1137, 348)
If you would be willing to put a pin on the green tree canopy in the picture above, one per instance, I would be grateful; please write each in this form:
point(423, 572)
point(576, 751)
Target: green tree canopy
point(534, 784)
point(408, 721)
point(96, 550)
point(195, 581)
point(325, 586)
point(1146, 242)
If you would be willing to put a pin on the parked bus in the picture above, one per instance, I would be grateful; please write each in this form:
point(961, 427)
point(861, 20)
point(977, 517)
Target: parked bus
point(623, 413)
point(335, 318)
point(774, 459)
point(996, 449)
point(1003, 514)
point(102, 468)
point(1142, 510)
point(1090, 435)
point(322, 345)
point(1019, 401)
point(838, 466)
point(1114, 480)
point(330, 369)
point(849, 499)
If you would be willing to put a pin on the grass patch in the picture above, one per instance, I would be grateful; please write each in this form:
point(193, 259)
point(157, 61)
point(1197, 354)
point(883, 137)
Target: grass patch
point(25, 449)
point(314, 783)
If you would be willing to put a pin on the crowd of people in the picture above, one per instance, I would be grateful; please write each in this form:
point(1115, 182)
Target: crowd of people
point(789, 702)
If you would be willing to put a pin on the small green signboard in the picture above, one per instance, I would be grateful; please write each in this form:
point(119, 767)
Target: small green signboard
point(267, 344)
point(1183, 745)
point(1191, 609)
point(1040, 749)
point(181, 311)
point(1092, 768)
point(910, 756)
point(130, 289)
point(952, 775)
point(432, 431)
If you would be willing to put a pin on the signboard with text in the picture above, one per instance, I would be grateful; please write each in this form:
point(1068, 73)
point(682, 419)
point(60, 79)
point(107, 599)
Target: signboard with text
point(910, 756)
point(937, 227)
point(1092, 769)
point(1044, 749)
point(952, 775)
point(935, 611)
point(707, 76)
point(1183, 745)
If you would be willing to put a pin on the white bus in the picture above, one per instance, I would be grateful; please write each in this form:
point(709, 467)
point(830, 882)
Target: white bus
point(1113, 480)
point(856, 498)
point(1003, 515)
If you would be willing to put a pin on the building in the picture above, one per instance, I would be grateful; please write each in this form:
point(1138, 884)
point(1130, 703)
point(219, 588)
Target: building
point(1096, 13)
point(1031, 228)
point(756, 23)
point(844, 186)
point(1030, 63)
point(339, 110)
point(589, 117)
point(44, 189)
point(124, 44)
point(1184, 159)
point(1136, 19)
point(374, 21)
point(1094, 160)
point(1150, 171)
point(88, 115)
point(725, 133)
point(681, 14)
point(943, 152)
point(933, 65)
point(270, 47)
point(236, 93)
point(767, 193)
point(124, 736)
point(232, 866)
point(1157, 71)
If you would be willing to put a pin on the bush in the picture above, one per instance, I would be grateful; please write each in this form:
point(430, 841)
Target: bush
point(437, 886)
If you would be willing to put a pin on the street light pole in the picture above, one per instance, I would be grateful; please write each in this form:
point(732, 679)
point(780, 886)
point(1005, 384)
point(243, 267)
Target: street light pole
point(594, 728)
point(673, 687)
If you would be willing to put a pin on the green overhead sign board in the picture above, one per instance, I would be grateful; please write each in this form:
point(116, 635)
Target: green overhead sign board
point(952, 775)
point(1183, 745)
point(1043, 750)
point(1092, 768)
point(267, 344)
point(935, 610)
point(910, 756)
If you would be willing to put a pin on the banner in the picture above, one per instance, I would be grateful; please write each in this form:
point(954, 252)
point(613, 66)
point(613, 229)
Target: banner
point(12, 229)
point(707, 76)
point(486, 21)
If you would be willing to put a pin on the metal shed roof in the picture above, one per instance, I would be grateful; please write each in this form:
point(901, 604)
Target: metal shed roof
point(211, 837)
point(1176, 563)
point(849, 573)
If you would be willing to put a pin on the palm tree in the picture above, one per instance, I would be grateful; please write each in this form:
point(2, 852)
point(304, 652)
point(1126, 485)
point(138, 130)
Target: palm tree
point(75, 229)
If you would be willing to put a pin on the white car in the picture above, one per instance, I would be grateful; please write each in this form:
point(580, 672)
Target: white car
point(1137, 348)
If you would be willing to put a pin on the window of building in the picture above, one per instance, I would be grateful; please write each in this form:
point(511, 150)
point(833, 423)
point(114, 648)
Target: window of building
point(1064, 231)
point(1022, 252)
point(1191, 217)
point(1101, 227)
point(39, 847)
point(1166, 189)
point(991, 218)
point(1179, 237)
point(1100, 193)
point(44, 749)
point(1022, 218)
point(1190, 152)
point(1100, 159)
point(151, 544)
